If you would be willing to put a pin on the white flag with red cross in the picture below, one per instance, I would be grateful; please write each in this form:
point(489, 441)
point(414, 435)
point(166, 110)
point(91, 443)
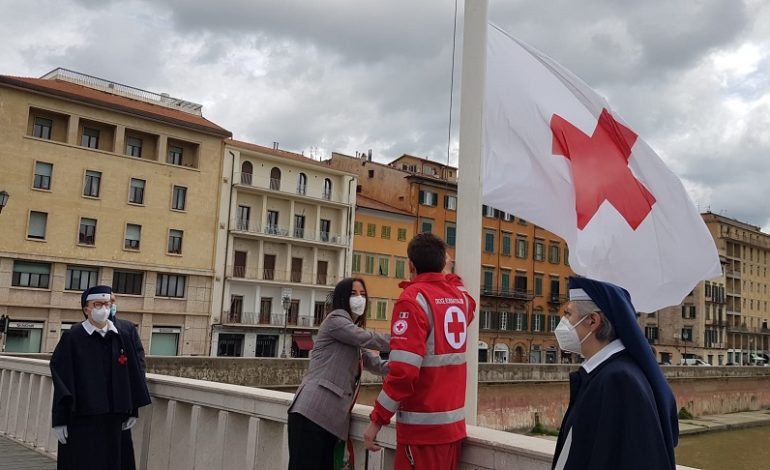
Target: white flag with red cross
point(555, 154)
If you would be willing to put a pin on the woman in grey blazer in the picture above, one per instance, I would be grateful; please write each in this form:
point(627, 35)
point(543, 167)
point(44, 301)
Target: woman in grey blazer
point(319, 416)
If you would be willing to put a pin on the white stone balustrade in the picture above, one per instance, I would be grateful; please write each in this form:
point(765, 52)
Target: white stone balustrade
point(195, 424)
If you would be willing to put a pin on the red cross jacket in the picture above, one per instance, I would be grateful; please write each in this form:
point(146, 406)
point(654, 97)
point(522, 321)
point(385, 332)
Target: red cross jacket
point(426, 382)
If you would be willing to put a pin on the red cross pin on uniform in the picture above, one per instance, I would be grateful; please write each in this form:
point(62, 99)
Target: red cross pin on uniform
point(122, 359)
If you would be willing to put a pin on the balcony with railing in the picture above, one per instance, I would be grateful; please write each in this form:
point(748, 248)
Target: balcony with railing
point(558, 299)
point(508, 293)
point(286, 188)
point(733, 273)
point(300, 234)
point(743, 328)
point(271, 319)
point(283, 276)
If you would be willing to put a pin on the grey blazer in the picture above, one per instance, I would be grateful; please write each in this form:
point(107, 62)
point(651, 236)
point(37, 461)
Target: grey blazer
point(326, 393)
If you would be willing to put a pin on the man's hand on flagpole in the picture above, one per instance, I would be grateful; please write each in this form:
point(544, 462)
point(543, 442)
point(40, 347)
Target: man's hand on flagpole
point(370, 435)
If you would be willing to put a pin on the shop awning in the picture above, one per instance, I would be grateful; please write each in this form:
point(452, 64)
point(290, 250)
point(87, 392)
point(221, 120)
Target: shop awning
point(303, 342)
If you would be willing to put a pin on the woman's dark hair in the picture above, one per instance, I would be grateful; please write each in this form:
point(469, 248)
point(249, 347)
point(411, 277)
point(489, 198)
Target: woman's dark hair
point(427, 252)
point(341, 297)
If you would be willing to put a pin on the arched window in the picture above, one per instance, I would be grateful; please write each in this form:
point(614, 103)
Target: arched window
point(275, 178)
point(327, 194)
point(247, 171)
point(302, 184)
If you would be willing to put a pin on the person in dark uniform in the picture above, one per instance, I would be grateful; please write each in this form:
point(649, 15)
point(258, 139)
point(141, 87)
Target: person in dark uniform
point(99, 387)
point(127, 441)
point(622, 414)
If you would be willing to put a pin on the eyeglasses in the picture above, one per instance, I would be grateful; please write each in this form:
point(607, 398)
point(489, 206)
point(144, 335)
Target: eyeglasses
point(98, 304)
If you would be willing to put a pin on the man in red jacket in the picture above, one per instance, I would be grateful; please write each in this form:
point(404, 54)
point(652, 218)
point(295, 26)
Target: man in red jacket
point(426, 382)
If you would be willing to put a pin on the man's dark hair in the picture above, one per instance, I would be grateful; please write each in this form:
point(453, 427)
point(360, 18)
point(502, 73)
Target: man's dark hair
point(427, 253)
point(340, 298)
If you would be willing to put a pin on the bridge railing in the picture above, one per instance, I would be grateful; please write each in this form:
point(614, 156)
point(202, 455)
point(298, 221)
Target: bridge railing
point(195, 424)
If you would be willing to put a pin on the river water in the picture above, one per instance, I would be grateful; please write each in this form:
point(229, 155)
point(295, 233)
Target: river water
point(740, 449)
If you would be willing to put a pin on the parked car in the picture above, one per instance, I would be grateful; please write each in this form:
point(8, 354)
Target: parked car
point(693, 362)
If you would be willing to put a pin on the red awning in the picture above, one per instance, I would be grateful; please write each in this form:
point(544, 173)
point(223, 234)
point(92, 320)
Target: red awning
point(303, 342)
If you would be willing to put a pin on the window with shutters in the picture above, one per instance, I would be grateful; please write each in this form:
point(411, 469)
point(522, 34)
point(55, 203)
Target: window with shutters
point(80, 278)
point(179, 198)
point(92, 183)
point(29, 274)
point(175, 241)
point(170, 285)
point(451, 234)
point(127, 282)
point(136, 191)
point(521, 247)
point(36, 227)
point(87, 232)
point(133, 237)
point(506, 248)
point(42, 179)
point(369, 268)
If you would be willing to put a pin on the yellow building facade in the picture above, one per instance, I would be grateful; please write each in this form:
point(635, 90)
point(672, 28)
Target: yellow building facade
point(111, 185)
point(381, 235)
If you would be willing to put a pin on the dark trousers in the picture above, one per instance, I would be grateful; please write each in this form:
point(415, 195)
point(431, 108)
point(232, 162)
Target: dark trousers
point(311, 447)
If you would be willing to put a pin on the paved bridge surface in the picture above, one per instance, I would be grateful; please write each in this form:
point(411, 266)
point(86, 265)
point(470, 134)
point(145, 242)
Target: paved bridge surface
point(15, 456)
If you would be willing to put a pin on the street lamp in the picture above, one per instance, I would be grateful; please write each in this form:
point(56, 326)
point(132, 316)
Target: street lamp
point(685, 338)
point(286, 303)
point(3, 199)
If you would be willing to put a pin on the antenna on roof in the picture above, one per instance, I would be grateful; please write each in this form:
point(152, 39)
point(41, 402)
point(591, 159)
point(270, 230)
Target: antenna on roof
point(275, 145)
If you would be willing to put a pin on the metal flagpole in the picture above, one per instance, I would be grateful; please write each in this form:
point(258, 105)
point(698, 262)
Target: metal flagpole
point(468, 258)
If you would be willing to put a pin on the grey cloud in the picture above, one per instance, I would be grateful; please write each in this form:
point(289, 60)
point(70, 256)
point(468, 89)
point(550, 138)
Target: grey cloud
point(348, 75)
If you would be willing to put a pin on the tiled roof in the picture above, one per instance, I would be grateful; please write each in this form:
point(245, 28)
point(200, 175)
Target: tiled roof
point(408, 156)
point(92, 96)
point(369, 203)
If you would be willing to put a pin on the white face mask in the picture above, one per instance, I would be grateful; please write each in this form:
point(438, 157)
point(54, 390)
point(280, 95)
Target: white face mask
point(567, 336)
point(357, 305)
point(99, 315)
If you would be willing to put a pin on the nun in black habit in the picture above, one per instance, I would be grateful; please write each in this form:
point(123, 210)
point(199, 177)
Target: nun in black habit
point(622, 414)
point(98, 388)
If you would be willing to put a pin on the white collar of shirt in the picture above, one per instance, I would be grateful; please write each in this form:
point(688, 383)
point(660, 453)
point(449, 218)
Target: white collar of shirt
point(603, 355)
point(90, 328)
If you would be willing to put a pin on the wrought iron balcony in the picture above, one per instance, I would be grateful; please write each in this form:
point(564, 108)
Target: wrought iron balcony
point(515, 294)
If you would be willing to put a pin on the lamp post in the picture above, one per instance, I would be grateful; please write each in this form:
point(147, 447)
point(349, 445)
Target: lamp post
point(285, 303)
point(3, 199)
point(685, 339)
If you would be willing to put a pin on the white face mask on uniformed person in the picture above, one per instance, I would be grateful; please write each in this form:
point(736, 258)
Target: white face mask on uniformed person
point(567, 336)
point(99, 315)
point(357, 305)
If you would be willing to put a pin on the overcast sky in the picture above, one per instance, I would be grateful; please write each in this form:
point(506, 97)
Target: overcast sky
point(690, 77)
